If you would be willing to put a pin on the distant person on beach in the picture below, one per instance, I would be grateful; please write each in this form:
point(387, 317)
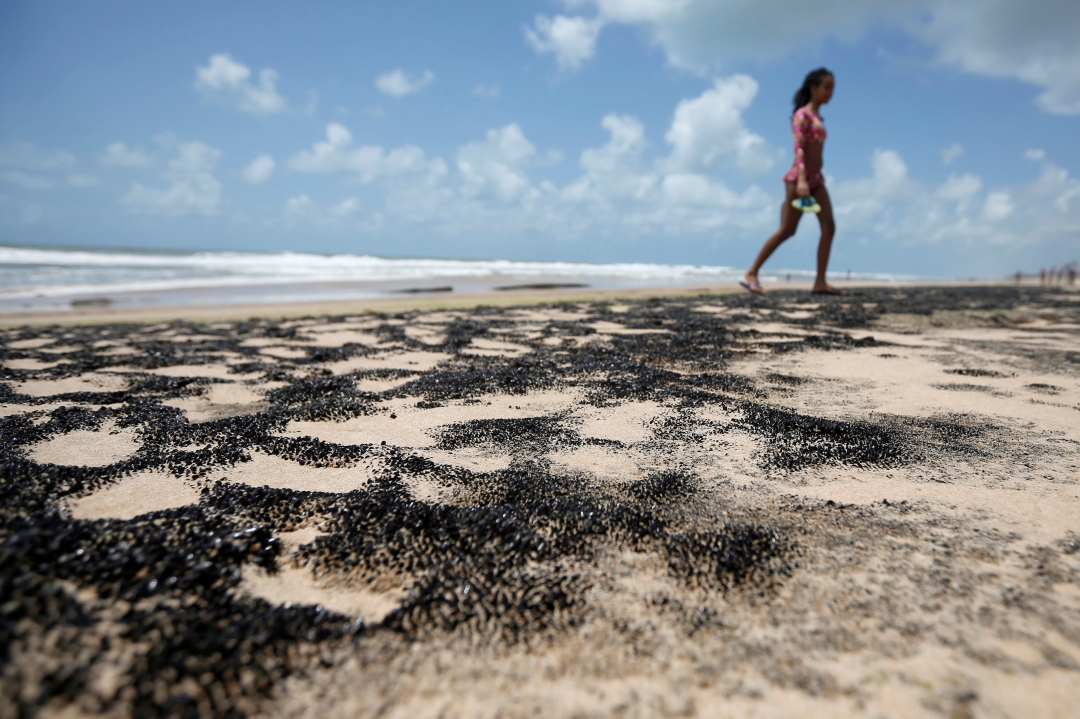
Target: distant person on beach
point(804, 183)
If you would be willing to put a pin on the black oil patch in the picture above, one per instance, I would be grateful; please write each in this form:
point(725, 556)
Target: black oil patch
point(786, 379)
point(531, 435)
point(967, 387)
point(1044, 388)
point(976, 373)
point(795, 441)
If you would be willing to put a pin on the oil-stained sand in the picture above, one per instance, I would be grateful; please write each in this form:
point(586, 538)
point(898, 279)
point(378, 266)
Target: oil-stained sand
point(717, 506)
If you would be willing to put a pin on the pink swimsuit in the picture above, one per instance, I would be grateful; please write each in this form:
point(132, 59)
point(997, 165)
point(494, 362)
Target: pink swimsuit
point(807, 127)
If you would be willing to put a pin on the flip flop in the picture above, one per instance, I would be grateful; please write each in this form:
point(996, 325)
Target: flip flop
point(806, 204)
point(753, 287)
point(830, 291)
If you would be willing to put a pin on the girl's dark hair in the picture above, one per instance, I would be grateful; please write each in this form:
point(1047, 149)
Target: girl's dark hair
point(813, 79)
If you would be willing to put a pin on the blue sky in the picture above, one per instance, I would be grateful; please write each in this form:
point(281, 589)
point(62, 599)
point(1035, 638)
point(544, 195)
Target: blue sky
point(596, 130)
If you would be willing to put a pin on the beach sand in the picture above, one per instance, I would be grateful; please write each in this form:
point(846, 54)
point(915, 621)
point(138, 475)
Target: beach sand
point(703, 505)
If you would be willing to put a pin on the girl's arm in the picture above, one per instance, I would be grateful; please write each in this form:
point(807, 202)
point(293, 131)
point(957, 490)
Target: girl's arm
point(799, 128)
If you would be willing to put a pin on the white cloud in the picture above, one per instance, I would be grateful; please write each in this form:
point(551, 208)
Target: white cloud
point(398, 83)
point(29, 156)
point(880, 205)
point(347, 207)
point(1064, 199)
point(618, 194)
point(894, 211)
point(614, 172)
point(30, 182)
point(299, 206)
point(1034, 155)
point(550, 158)
point(1012, 39)
point(951, 153)
point(120, 154)
point(700, 35)
point(622, 151)
point(1032, 42)
point(260, 169)
point(707, 132)
point(81, 179)
point(226, 80)
point(699, 191)
point(572, 40)
point(495, 168)
point(998, 206)
point(1055, 185)
point(486, 92)
point(959, 188)
point(890, 170)
point(192, 188)
point(369, 162)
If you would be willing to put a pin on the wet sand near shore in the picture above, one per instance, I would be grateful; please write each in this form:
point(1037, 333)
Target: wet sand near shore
point(709, 505)
point(386, 304)
point(107, 313)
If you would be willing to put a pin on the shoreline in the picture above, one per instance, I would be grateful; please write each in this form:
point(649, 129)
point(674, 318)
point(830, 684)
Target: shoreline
point(425, 301)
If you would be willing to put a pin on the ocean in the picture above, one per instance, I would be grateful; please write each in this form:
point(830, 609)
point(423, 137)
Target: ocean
point(39, 279)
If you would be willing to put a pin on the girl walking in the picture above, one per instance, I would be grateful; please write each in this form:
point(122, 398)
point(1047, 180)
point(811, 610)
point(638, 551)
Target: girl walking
point(804, 182)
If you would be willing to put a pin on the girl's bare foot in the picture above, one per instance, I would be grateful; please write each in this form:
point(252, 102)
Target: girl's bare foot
point(826, 289)
point(751, 284)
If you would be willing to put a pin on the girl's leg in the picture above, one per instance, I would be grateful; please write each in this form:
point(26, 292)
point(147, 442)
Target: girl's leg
point(789, 222)
point(828, 230)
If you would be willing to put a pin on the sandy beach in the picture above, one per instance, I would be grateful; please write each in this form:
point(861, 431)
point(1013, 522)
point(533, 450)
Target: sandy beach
point(632, 503)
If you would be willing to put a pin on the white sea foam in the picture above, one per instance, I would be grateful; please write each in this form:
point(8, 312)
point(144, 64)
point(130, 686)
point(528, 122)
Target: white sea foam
point(39, 272)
